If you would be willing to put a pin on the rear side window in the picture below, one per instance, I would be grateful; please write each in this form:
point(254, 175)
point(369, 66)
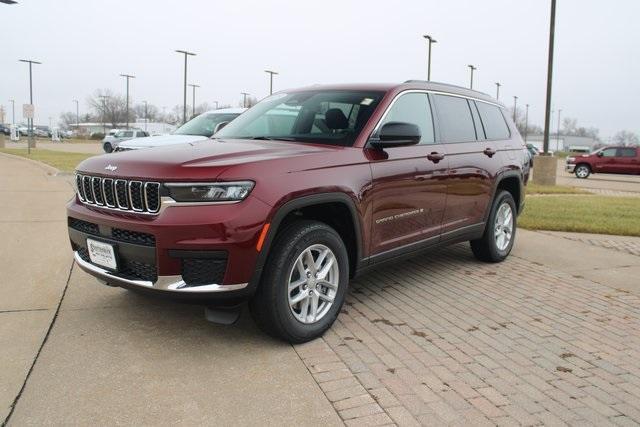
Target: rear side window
point(454, 118)
point(413, 108)
point(495, 127)
point(626, 152)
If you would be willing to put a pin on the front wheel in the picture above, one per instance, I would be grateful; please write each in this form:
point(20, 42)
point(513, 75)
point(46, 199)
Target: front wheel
point(107, 147)
point(582, 171)
point(500, 231)
point(304, 284)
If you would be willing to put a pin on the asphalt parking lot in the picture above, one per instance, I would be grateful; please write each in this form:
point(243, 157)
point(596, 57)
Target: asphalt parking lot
point(551, 336)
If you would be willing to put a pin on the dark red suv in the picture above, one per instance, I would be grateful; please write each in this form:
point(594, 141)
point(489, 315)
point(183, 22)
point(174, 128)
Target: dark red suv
point(301, 193)
point(625, 160)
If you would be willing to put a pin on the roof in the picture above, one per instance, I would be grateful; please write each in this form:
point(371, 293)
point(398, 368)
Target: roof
point(409, 84)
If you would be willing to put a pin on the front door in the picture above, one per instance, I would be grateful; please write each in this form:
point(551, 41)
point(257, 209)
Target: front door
point(606, 162)
point(408, 187)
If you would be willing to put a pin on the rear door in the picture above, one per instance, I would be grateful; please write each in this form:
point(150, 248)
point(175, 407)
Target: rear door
point(627, 160)
point(473, 159)
point(408, 186)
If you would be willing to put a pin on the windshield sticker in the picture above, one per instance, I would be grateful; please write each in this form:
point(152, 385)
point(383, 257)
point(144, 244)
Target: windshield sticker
point(366, 101)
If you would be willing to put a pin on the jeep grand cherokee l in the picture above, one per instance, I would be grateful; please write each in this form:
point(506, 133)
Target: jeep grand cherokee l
point(299, 194)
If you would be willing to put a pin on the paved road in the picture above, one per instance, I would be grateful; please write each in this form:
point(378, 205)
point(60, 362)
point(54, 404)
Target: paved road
point(552, 335)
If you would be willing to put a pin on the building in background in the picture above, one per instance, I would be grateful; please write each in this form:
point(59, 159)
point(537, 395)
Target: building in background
point(564, 142)
point(153, 128)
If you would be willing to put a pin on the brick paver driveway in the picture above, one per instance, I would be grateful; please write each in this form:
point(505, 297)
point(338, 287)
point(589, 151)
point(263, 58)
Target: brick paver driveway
point(442, 339)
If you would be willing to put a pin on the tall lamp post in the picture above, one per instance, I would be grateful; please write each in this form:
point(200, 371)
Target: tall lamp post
point(271, 74)
point(472, 69)
point(77, 115)
point(127, 76)
point(498, 90)
point(30, 121)
point(193, 100)
point(13, 111)
point(184, 99)
point(431, 40)
point(244, 99)
point(526, 122)
point(515, 108)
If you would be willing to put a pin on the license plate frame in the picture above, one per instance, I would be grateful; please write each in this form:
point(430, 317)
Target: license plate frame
point(103, 254)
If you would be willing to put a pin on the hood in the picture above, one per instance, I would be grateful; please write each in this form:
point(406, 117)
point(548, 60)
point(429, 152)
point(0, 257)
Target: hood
point(161, 140)
point(202, 160)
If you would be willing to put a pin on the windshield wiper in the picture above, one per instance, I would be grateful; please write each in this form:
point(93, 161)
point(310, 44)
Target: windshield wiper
point(271, 138)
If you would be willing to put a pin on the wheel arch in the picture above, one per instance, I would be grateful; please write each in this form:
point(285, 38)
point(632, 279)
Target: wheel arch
point(512, 182)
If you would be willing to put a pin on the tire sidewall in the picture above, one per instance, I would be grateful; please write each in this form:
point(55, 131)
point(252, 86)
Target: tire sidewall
point(289, 252)
point(496, 253)
point(582, 167)
point(108, 148)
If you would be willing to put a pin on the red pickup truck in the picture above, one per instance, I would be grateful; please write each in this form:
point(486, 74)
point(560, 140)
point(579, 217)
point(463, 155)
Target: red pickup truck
point(606, 160)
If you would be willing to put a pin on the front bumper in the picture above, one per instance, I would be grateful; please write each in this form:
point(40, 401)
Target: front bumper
point(569, 167)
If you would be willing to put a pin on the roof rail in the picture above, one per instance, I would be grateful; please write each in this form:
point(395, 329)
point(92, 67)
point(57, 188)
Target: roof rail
point(445, 84)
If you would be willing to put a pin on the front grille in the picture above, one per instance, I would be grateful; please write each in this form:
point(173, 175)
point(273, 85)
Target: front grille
point(84, 226)
point(133, 237)
point(121, 194)
point(203, 271)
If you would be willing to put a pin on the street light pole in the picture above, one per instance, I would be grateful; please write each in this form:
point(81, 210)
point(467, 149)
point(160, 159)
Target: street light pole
point(498, 90)
point(472, 69)
point(127, 76)
point(184, 99)
point(193, 100)
point(431, 40)
point(526, 123)
point(271, 73)
point(77, 115)
point(244, 100)
point(515, 108)
point(13, 111)
point(30, 121)
point(547, 113)
point(146, 115)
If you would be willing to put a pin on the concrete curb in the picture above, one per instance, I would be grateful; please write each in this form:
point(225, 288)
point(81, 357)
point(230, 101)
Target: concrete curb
point(47, 168)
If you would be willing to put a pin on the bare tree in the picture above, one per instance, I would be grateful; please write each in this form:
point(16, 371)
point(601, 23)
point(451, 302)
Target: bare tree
point(152, 112)
point(522, 125)
point(626, 138)
point(67, 120)
point(109, 107)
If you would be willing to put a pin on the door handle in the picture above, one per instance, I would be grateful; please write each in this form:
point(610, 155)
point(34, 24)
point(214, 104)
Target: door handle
point(489, 152)
point(435, 157)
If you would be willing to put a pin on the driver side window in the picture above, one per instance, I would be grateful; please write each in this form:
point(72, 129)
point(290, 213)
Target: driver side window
point(609, 152)
point(413, 108)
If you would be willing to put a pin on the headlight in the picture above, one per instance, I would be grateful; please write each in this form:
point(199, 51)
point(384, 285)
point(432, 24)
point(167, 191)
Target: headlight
point(210, 192)
point(571, 159)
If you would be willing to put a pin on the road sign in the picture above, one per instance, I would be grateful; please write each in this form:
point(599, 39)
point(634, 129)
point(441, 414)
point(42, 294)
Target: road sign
point(27, 111)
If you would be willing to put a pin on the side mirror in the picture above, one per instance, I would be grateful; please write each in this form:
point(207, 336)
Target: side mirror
point(397, 134)
point(219, 126)
point(600, 154)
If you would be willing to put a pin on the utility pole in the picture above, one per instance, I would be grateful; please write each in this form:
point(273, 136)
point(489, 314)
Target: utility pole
point(146, 119)
point(526, 123)
point(127, 76)
point(472, 69)
point(193, 99)
point(184, 99)
point(13, 111)
point(431, 40)
point(271, 73)
point(498, 90)
point(244, 101)
point(547, 115)
point(30, 121)
point(515, 108)
point(77, 115)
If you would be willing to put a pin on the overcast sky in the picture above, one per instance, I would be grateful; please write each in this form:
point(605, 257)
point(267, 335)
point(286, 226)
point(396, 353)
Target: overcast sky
point(85, 44)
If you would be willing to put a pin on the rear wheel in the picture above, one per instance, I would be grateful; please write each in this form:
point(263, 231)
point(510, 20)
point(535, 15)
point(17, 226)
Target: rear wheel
point(500, 231)
point(304, 284)
point(582, 171)
point(107, 147)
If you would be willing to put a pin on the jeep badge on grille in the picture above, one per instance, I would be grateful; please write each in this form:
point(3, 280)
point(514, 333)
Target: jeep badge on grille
point(110, 167)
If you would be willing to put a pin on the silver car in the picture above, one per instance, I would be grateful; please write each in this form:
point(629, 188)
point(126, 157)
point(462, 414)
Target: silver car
point(111, 142)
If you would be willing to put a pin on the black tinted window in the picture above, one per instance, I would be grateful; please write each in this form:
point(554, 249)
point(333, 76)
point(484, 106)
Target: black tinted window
point(493, 121)
point(626, 152)
point(454, 117)
point(413, 108)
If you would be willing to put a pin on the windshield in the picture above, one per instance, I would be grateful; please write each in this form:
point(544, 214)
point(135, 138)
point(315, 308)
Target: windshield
point(204, 124)
point(333, 117)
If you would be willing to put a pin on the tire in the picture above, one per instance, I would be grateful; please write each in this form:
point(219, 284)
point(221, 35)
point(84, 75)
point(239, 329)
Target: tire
point(489, 247)
point(582, 171)
point(271, 306)
point(107, 147)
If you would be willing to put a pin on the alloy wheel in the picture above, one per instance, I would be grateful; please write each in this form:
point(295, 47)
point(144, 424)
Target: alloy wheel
point(503, 228)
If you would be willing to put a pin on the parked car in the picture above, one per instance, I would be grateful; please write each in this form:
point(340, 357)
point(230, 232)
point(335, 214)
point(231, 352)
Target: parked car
point(111, 141)
point(6, 130)
point(533, 151)
point(196, 129)
point(623, 160)
point(302, 192)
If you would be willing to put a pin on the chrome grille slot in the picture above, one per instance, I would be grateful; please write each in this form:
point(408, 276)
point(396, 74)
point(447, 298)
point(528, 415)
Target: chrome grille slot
point(109, 195)
point(135, 196)
point(119, 194)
